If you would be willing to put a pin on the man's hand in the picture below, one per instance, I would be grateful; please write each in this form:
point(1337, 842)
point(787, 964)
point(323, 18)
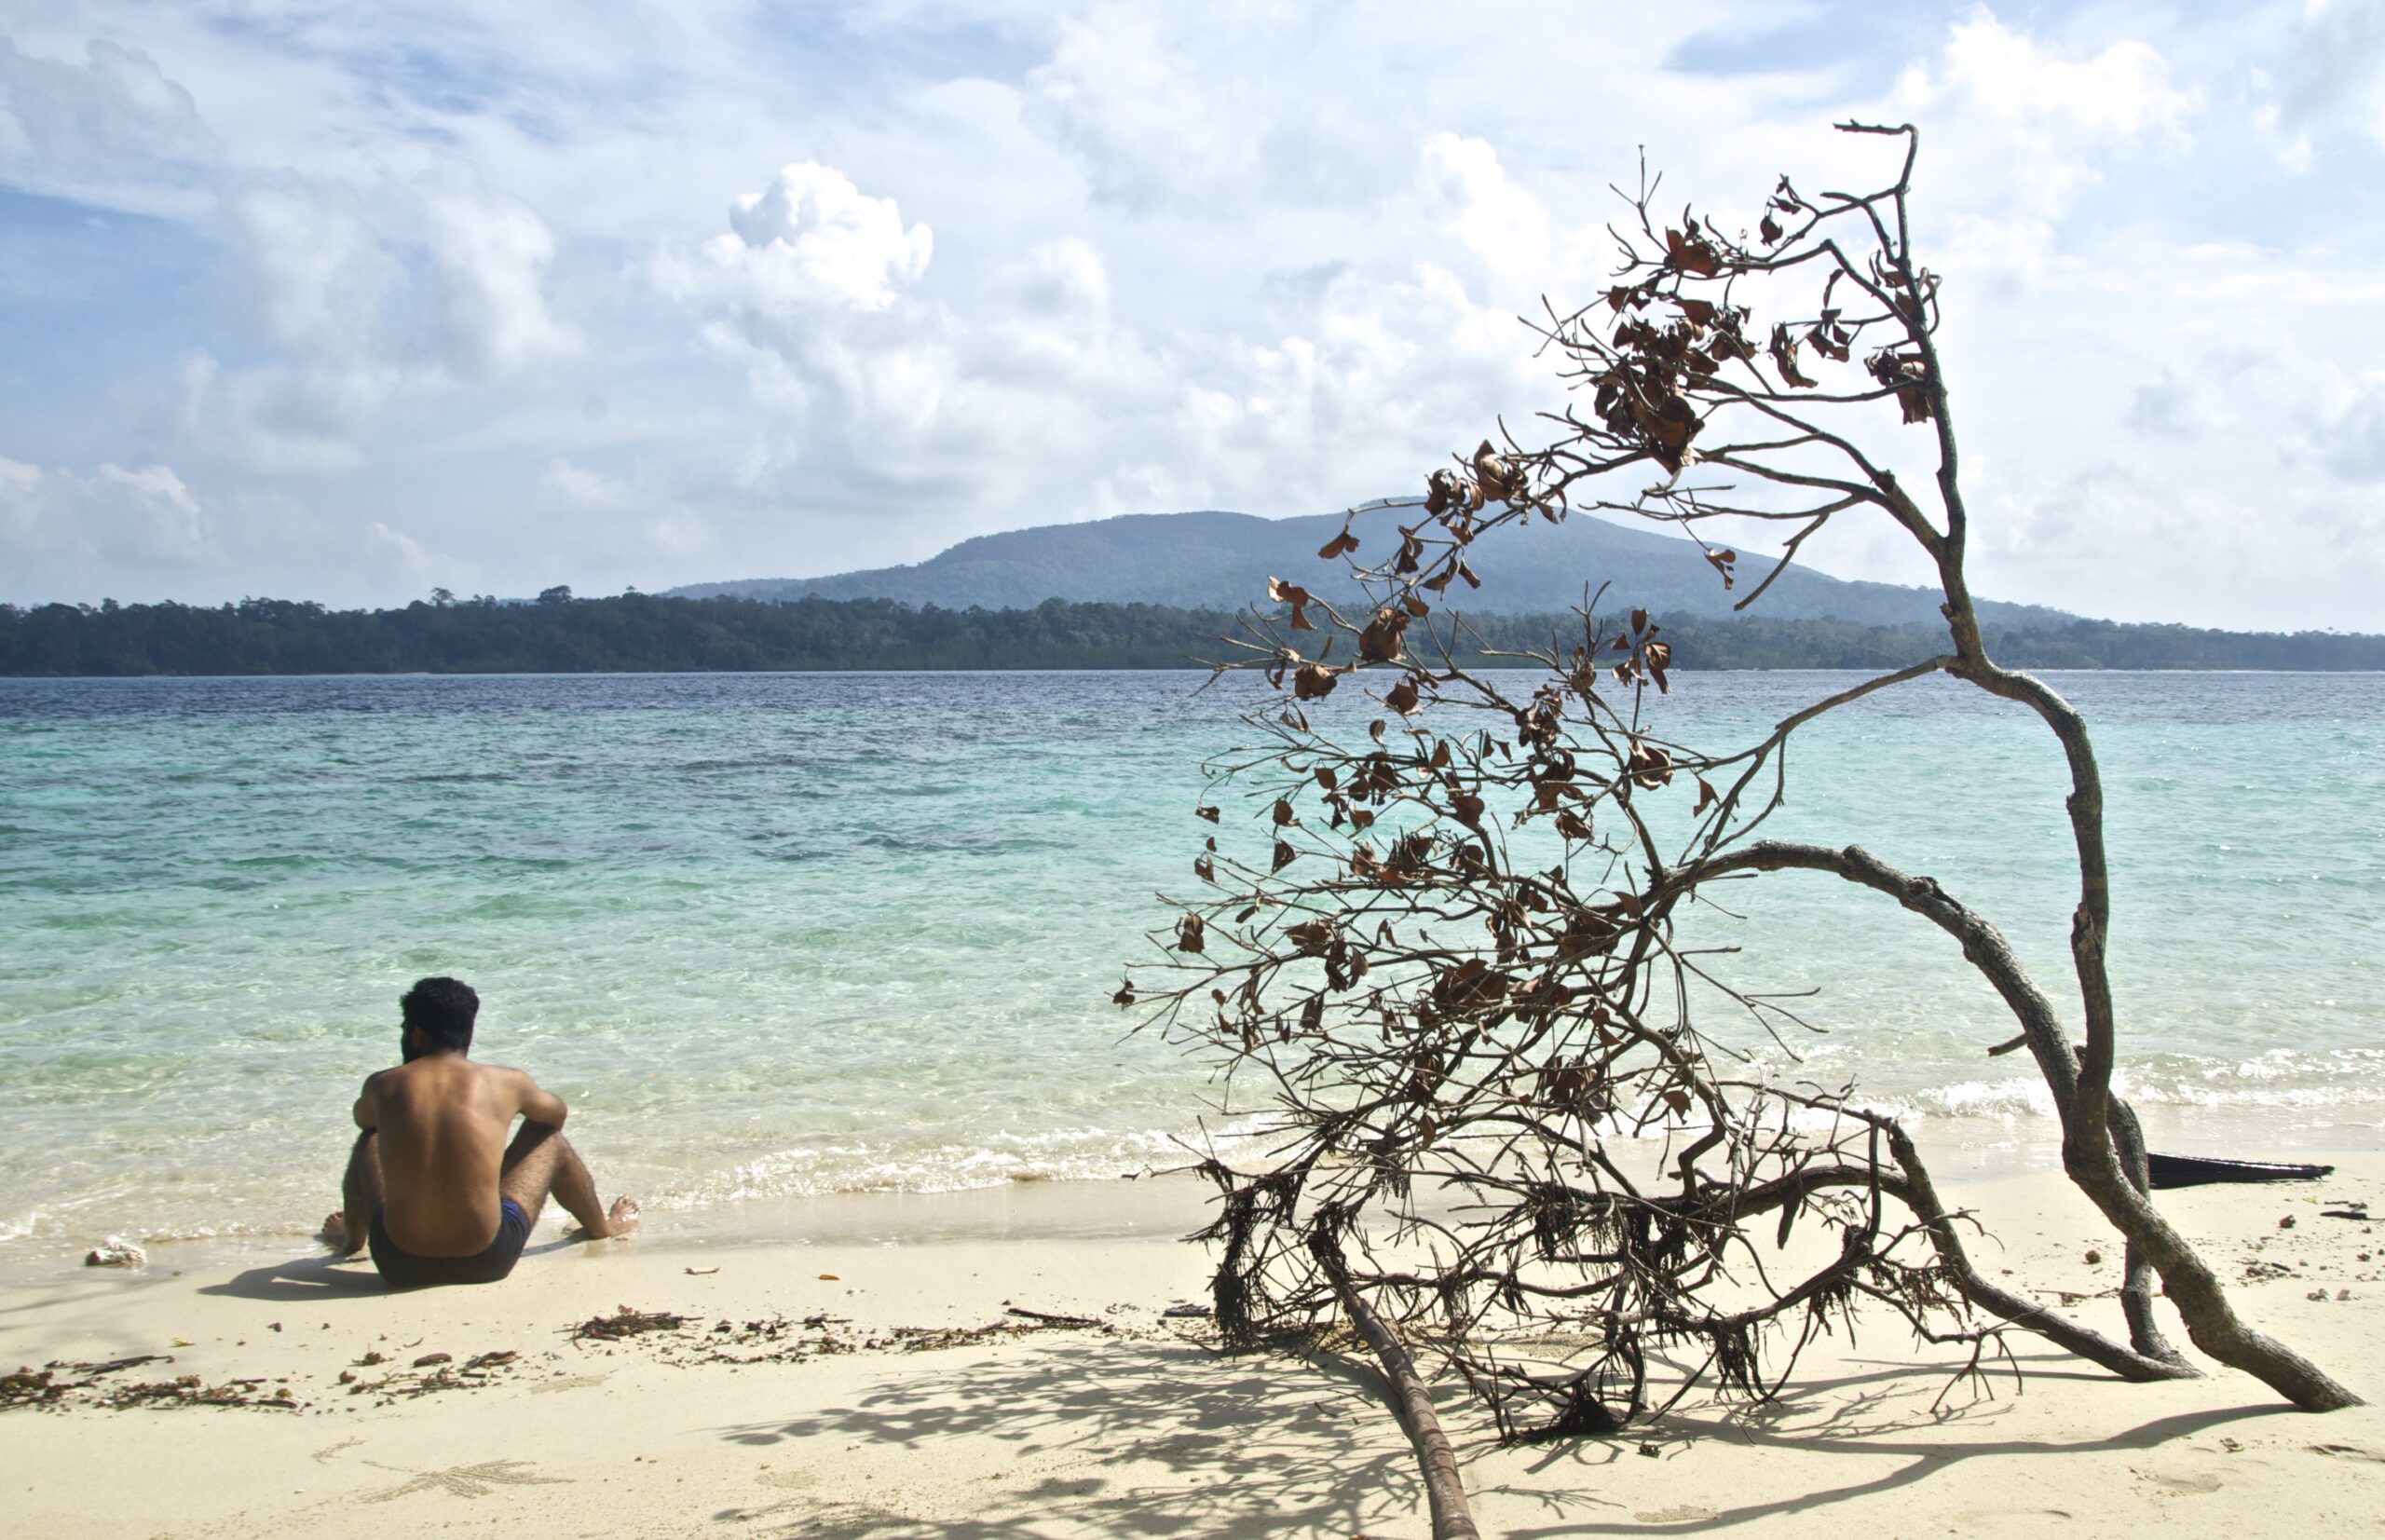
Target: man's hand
point(335, 1235)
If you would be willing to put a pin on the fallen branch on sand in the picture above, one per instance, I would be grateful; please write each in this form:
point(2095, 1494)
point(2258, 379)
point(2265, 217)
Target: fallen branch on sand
point(1458, 963)
point(1058, 1320)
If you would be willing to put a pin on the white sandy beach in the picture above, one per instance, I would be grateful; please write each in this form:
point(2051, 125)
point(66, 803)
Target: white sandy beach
point(1137, 1427)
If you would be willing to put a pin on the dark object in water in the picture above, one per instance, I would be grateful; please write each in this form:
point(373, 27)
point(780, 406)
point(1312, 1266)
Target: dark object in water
point(2169, 1171)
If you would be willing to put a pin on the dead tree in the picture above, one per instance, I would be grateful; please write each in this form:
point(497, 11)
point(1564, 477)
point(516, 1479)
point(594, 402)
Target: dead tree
point(1449, 962)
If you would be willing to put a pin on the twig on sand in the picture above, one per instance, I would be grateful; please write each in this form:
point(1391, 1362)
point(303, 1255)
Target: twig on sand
point(1041, 1317)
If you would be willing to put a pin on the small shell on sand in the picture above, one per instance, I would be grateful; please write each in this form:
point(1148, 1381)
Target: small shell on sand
point(117, 1254)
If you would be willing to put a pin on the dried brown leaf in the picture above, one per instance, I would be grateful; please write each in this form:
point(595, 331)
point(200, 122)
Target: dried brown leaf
point(1692, 254)
point(1649, 766)
point(1380, 643)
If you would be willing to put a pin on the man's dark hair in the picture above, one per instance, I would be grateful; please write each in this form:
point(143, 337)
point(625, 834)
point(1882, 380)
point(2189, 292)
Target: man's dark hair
point(442, 1011)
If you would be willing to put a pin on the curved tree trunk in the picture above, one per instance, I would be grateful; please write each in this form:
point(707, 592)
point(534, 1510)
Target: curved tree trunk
point(2089, 1150)
point(1918, 1193)
point(2136, 1269)
point(1444, 1491)
point(2133, 1362)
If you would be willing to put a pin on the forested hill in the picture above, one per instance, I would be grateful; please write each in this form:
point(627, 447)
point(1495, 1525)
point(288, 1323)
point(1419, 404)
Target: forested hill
point(1223, 561)
point(648, 634)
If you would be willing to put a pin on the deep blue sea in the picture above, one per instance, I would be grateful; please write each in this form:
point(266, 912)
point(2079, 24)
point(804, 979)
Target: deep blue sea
point(778, 934)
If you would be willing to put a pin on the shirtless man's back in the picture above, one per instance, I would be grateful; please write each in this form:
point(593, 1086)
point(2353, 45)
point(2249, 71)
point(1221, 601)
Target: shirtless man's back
point(432, 1185)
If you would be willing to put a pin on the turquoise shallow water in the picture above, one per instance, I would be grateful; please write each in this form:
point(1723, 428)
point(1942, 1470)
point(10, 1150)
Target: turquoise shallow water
point(790, 933)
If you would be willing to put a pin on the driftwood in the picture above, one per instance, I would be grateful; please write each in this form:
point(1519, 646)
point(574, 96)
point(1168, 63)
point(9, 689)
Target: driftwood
point(1447, 963)
point(1042, 1318)
point(1444, 1487)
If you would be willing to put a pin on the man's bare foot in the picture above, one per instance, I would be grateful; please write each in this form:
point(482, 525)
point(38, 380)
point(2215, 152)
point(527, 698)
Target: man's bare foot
point(619, 1219)
point(335, 1233)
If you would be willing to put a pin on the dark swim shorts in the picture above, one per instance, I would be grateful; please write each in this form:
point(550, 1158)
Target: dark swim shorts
point(402, 1269)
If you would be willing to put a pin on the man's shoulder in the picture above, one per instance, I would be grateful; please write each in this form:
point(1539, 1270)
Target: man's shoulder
point(504, 1078)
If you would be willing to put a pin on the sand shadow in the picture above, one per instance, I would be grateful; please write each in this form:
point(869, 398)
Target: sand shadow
point(1861, 1414)
point(322, 1277)
point(1265, 1445)
point(300, 1278)
point(1250, 1446)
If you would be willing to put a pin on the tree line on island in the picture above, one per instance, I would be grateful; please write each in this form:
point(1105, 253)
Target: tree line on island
point(638, 633)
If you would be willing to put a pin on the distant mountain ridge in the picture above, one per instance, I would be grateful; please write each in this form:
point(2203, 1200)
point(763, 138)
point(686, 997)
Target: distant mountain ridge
point(1217, 560)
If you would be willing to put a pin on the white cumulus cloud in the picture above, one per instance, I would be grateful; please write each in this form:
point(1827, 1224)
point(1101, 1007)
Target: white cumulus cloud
point(318, 274)
point(141, 515)
point(492, 253)
point(2349, 442)
point(812, 237)
point(2339, 73)
point(110, 129)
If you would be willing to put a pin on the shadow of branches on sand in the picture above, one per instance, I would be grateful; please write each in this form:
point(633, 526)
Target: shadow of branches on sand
point(1167, 1439)
point(1886, 1419)
point(1110, 1437)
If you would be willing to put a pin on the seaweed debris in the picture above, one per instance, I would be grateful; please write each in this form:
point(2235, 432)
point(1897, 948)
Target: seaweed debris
point(30, 1387)
point(626, 1321)
point(60, 1384)
point(781, 1340)
point(189, 1390)
point(443, 1374)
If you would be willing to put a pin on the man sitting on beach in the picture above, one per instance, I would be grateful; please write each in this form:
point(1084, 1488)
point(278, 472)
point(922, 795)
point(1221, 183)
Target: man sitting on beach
point(432, 1182)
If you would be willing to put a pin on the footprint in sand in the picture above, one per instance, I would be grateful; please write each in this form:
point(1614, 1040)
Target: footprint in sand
point(2184, 1486)
point(576, 1381)
point(2349, 1451)
point(791, 1480)
point(463, 1480)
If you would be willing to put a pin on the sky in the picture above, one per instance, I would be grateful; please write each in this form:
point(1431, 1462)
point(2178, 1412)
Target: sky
point(349, 302)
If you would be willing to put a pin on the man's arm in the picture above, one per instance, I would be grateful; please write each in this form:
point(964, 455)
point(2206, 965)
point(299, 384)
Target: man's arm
point(360, 1189)
point(539, 1105)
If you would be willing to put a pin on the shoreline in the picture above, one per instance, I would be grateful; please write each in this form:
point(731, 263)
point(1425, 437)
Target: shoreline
point(1089, 1208)
point(1962, 1150)
point(921, 1404)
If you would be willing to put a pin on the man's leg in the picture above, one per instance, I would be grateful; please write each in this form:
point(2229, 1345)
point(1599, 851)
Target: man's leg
point(360, 1193)
point(541, 1161)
